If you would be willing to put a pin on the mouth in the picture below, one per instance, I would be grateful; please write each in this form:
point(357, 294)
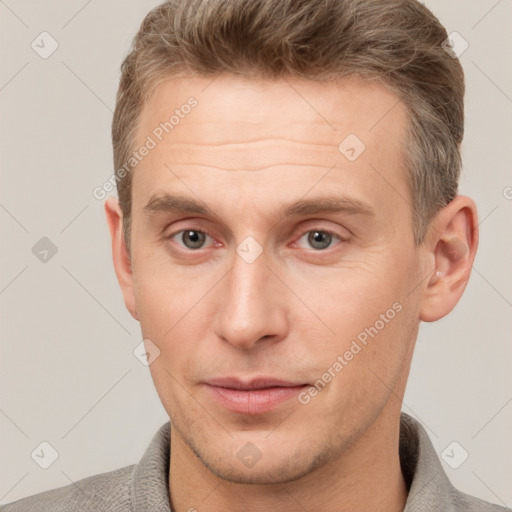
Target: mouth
point(256, 396)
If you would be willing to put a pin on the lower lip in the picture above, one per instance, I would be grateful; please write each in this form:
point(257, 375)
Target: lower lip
point(253, 402)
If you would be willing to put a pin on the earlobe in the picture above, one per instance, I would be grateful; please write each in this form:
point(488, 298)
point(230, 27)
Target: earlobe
point(121, 258)
point(453, 241)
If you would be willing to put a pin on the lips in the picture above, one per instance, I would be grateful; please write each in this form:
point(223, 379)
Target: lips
point(256, 396)
point(253, 384)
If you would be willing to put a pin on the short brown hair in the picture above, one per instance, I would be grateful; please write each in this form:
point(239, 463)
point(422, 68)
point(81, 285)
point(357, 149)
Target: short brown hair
point(398, 42)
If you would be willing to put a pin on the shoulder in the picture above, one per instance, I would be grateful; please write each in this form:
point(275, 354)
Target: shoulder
point(143, 486)
point(465, 503)
point(106, 491)
point(429, 486)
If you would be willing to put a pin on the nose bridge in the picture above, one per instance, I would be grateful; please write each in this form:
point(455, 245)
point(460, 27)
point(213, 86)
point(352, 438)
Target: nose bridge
point(249, 309)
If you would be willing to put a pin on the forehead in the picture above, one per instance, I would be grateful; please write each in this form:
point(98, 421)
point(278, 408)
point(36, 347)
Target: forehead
point(263, 106)
point(248, 133)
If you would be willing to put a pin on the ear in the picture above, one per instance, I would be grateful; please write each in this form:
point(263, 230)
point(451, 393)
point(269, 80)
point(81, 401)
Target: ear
point(122, 263)
point(451, 246)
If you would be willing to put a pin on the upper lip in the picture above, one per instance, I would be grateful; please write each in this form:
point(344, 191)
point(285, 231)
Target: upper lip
point(252, 384)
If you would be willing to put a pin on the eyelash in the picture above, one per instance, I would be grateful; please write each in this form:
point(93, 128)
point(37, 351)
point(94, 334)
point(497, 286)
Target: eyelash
point(327, 232)
point(208, 233)
point(191, 228)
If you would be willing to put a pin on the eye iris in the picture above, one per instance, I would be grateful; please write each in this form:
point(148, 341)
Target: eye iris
point(193, 239)
point(319, 239)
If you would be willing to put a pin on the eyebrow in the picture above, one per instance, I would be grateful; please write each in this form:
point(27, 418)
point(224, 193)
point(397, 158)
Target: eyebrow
point(328, 204)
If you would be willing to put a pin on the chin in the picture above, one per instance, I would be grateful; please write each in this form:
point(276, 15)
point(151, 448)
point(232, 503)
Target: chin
point(280, 469)
point(273, 473)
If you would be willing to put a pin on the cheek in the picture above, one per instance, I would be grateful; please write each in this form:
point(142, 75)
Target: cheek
point(365, 314)
point(175, 310)
point(346, 298)
point(165, 293)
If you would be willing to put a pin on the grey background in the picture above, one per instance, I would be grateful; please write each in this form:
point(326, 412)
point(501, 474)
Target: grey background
point(68, 373)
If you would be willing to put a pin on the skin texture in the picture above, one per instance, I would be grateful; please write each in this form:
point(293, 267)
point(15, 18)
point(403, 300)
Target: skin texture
point(247, 149)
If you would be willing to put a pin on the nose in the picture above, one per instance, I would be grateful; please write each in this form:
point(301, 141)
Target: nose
point(252, 305)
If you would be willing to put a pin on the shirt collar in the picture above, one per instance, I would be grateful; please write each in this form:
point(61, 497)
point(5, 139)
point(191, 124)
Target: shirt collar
point(150, 477)
point(426, 480)
point(429, 487)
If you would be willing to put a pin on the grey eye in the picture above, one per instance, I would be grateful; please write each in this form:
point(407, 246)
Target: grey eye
point(319, 239)
point(193, 239)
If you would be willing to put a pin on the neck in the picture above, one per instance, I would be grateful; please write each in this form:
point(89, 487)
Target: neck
point(365, 477)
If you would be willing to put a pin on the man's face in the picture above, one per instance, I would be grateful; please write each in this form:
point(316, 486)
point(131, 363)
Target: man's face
point(251, 288)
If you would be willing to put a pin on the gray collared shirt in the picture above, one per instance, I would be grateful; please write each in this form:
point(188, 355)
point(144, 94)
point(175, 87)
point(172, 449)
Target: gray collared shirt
point(144, 487)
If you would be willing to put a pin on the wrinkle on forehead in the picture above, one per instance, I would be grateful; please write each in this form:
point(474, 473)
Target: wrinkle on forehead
point(288, 132)
point(234, 110)
point(256, 155)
